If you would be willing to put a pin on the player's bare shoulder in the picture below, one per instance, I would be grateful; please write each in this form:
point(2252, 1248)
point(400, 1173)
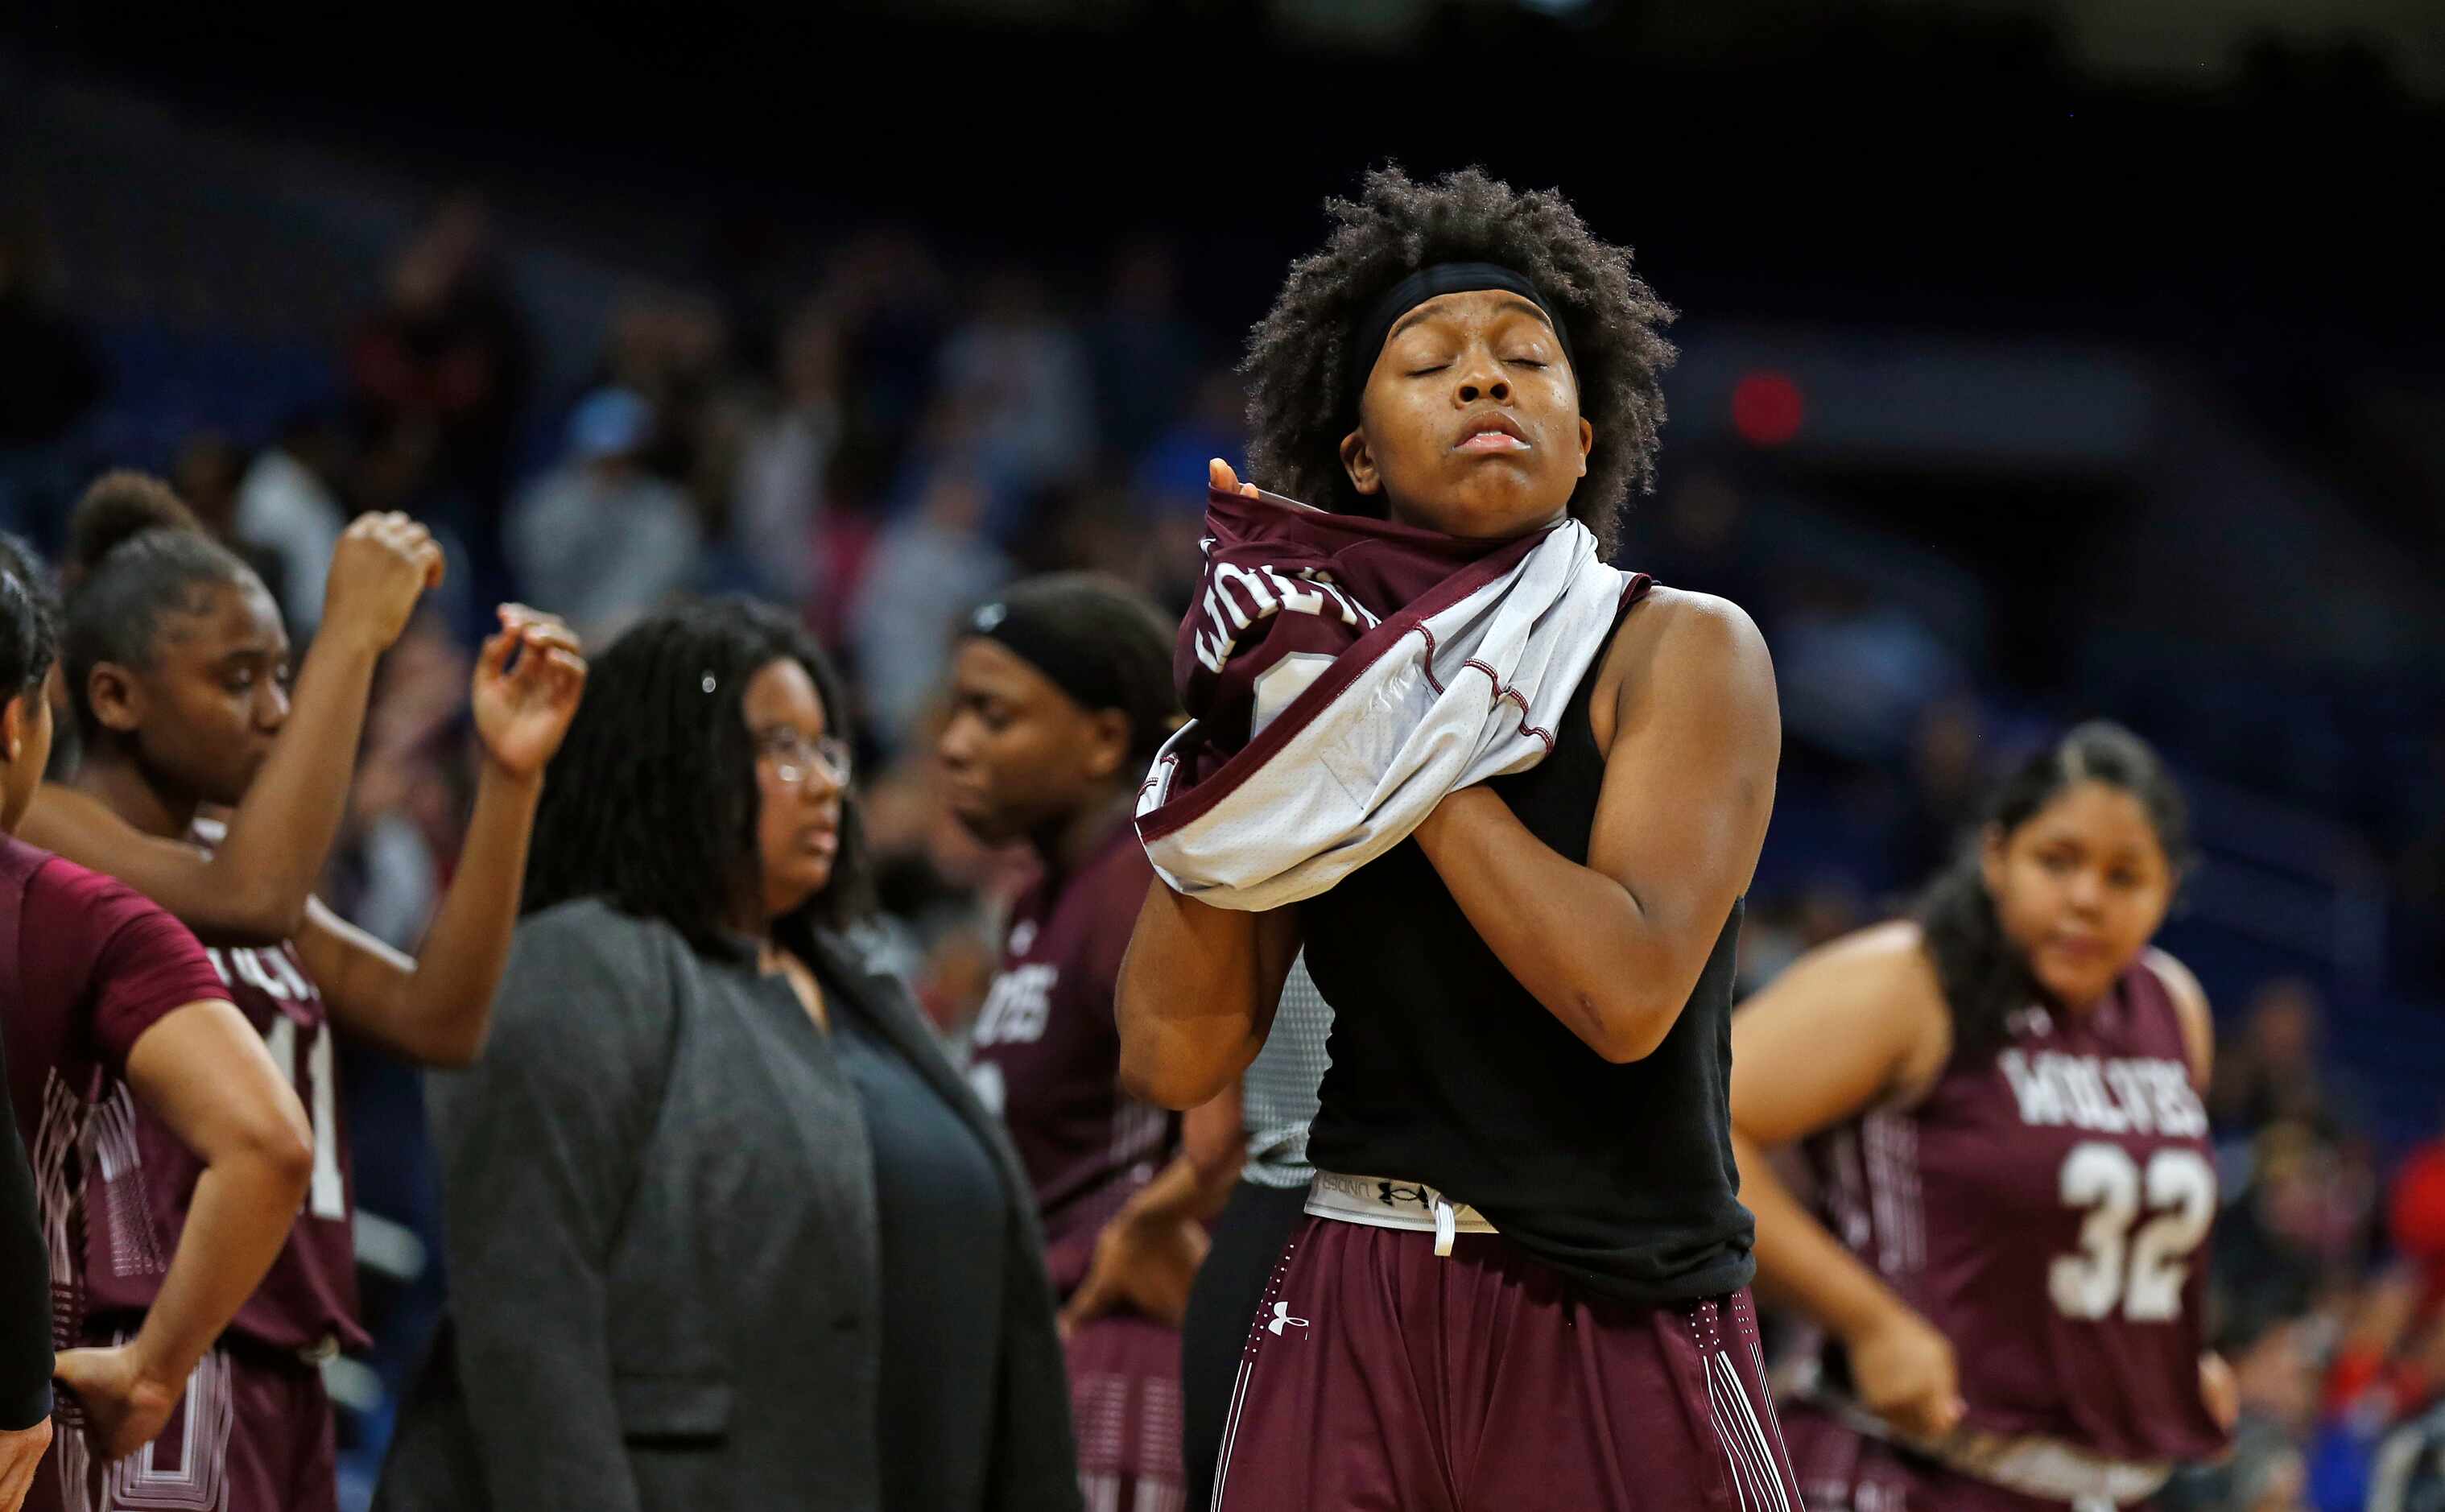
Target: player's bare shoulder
point(1677, 645)
point(1876, 987)
point(2191, 1002)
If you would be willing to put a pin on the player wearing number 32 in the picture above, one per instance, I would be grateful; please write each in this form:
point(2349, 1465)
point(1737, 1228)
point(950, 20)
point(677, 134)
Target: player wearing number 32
point(176, 661)
point(1999, 1098)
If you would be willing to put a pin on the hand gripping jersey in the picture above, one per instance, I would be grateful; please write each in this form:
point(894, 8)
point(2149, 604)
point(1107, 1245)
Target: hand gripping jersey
point(2046, 1208)
point(1342, 674)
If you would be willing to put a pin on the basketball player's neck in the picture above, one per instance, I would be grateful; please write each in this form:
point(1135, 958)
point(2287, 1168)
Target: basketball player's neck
point(1065, 844)
point(120, 786)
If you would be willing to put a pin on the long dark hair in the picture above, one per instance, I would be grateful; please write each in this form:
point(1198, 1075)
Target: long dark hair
point(1985, 976)
point(651, 802)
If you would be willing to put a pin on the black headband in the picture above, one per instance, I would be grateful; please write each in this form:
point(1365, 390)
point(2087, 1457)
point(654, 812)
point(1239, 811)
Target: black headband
point(1429, 283)
point(1035, 635)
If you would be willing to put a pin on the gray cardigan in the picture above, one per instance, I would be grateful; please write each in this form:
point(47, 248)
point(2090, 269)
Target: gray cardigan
point(660, 1231)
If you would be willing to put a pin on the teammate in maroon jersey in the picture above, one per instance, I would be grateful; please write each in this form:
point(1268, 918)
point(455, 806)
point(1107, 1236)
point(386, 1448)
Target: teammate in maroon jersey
point(2000, 1099)
point(176, 658)
point(104, 999)
point(1524, 1281)
point(1061, 692)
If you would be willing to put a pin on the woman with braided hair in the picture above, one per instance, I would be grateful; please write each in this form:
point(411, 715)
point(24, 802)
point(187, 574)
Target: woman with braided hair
point(1523, 1279)
point(726, 1227)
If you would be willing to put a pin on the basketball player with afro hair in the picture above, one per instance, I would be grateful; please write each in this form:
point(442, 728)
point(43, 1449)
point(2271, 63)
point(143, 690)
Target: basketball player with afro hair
point(1522, 1279)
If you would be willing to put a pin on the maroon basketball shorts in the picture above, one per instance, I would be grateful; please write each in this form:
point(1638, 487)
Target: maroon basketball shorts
point(254, 1433)
point(1845, 1470)
point(1124, 1399)
point(1379, 1377)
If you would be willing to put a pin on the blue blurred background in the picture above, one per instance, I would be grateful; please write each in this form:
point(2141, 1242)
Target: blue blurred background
point(2041, 359)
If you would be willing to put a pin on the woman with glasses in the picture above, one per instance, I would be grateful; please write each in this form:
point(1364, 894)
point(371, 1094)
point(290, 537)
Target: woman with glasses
point(725, 1227)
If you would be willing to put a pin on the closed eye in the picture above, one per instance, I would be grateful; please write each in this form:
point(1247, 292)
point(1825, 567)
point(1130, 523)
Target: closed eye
point(1421, 372)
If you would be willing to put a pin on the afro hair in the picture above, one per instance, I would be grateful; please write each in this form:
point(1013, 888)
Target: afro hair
point(1304, 380)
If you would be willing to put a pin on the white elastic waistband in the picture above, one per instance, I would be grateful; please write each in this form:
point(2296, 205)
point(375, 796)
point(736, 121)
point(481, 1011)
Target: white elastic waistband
point(1383, 1202)
point(2030, 1463)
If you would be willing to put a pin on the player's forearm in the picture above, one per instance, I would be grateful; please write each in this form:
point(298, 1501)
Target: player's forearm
point(1193, 1004)
point(1799, 1261)
point(1611, 968)
point(281, 834)
point(240, 1217)
point(458, 967)
point(1199, 1180)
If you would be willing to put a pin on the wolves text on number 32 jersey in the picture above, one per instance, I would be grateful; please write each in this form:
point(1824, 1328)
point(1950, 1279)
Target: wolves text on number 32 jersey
point(2047, 1207)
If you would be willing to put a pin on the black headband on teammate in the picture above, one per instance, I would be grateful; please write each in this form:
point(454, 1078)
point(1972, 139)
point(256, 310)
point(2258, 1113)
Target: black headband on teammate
point(1432, 282)
point(1099, 643)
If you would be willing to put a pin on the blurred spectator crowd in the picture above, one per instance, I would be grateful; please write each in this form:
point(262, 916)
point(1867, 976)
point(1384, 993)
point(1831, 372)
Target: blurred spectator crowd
point(892, 437)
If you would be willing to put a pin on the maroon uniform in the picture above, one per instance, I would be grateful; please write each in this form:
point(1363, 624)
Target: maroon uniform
point(1046, 1056)
point(2046, 1208)
point(90, 966)
point(255, 1431)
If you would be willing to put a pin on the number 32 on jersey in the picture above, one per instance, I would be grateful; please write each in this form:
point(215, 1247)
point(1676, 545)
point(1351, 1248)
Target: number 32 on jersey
point(2140, 1274)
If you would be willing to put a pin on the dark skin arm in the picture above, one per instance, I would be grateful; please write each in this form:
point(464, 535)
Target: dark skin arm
point(1148, 1255)
point(1197, 995)
point(1691, 739)
point(437, 1009)
point(252, 890)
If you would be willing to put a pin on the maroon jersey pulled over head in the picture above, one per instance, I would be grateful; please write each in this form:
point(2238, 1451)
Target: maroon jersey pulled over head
point(2046, 1208)
point(138, 1191)
point(1046, 1054)
point(87, 966)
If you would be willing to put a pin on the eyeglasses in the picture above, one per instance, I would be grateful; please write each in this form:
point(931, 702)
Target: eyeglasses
point(795, 757)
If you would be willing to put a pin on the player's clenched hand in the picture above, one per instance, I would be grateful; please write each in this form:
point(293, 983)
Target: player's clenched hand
point(21, 1450)
point(523, 710)
point(1904, 1372)
point(1141, 1265)
point(1219, 474)
point(124, 1407)
point(381, 566)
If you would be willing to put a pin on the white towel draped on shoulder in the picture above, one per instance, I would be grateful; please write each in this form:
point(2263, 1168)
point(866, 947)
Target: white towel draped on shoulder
point(1418, 667)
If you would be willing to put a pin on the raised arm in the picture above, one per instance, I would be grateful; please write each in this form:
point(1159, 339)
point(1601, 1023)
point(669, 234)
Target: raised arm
point(203, 1070)
point(1614, 948)
point(251, 890)
point(1845, 1029)
point(1197, 995)
point(435, 1008)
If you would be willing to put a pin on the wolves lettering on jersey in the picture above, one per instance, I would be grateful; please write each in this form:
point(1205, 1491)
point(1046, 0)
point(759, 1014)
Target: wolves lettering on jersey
point(2144, 1096)
point(1015, 1010)
point(2046, 1208)
point(1237, 598)
point(1045, 1051)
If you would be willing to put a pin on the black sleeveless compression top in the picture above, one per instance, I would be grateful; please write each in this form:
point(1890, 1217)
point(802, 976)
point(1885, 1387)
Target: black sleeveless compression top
point(1446, 1072)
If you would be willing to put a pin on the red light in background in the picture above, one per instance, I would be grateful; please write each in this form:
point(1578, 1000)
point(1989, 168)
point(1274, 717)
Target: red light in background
point(1766, 408)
